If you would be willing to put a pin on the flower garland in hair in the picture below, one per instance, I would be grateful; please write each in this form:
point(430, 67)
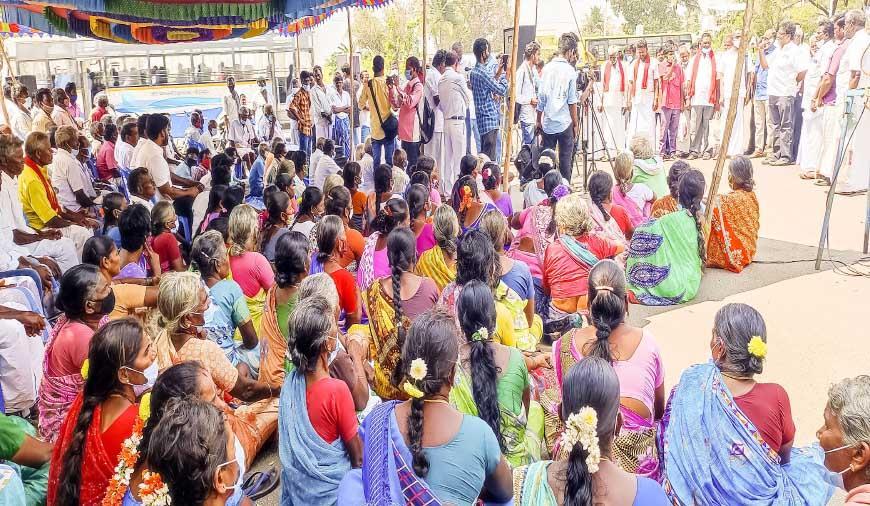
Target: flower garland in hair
point(481, 334)
point(757, 347)
point(128, 458)
point(153, 491)
point(466, 198)
point(561, 192)
point(582, 427)
point(417, 373)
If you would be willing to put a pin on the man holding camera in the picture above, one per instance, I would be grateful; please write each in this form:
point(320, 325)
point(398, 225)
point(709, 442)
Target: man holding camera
point(557, 103)
point(488, 90)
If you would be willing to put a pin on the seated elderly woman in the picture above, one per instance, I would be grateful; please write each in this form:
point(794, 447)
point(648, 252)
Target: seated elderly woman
point(665, 256)
point(845, 437)
point(439, 262)
point(734, 229)
point(571, 256)
point(648, 167)
point(183, 302)
point(745, 455)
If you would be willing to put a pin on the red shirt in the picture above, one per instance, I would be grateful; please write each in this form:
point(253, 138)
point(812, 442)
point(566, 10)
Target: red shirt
point(98, 113)
point(563, 275)
point(621, 216)
point(331, 410)
point(769, 409)
point(166, 246)
point(672, 91)
point(107, 167)
point(345, 284)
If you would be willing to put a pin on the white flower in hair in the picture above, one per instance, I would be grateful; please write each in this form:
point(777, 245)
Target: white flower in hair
point(582, 427)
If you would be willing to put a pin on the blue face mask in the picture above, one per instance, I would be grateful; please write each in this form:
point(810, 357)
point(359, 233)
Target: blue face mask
point(408, 75)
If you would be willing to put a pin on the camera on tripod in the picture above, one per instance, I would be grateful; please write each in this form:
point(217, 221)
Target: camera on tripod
point(587, 75)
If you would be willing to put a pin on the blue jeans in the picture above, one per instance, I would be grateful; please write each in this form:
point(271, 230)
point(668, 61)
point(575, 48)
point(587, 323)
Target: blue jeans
point(387, 146)
point(305, 143)
point(475, 133)
point(365, 132)
point(528, 130)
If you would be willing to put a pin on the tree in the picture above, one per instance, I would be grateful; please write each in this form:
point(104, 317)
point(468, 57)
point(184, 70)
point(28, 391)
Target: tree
point(656, 16)
point(442, 18)
point(395, 35)
point(595, 22)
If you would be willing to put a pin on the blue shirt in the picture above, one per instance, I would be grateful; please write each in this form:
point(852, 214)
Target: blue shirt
point(557, 90)
point(761, 78)
point(483, 87)
point(255, 177)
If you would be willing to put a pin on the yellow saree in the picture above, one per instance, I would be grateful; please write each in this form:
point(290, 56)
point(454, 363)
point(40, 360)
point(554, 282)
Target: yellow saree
point(432, 265)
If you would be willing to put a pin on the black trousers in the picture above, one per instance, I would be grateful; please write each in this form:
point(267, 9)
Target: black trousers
point(488, 143)
point(412, 149)
point(565, 141)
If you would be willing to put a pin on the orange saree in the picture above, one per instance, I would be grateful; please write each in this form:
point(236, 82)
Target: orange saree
point(734, 231)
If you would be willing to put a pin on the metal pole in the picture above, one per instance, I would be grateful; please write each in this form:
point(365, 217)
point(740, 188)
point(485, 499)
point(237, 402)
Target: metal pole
point(298, 57)
point(739, 74)
point(353, 103)
point(512, 96)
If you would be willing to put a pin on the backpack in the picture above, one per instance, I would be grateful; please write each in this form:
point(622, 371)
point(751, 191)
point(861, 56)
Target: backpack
point(426, 121)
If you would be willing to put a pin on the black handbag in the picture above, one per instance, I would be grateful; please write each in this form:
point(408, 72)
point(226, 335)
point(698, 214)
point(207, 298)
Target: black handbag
point(389, 125)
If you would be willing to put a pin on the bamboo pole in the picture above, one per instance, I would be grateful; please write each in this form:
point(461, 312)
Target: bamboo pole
point(739, 74)
point(353, 102)
point(298, 57)
point(512, 96)
point(425, 8)
point(8, 69)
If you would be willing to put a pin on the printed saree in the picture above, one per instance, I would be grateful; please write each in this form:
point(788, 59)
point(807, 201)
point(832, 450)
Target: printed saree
point(663, 206)
point(432, 265)
point(527, 337)
point(531, 487)
point(386, 477)
point(384, 348)
point(311, 468)
point(519, 450)
point(609, 228)
point(663, 266)
point(733, 231)
point(365, 272)
point(713, 454)
point(273, 345)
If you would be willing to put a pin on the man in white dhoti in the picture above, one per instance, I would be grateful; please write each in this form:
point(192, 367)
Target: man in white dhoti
point(611, 91)
point(830, 101)
point(453, 103)
point(435, 147)
point(644, 95)
point(702, 91)
point(813, 121)
point(684, 130)
point(241, 134)
point(726, 70)
point(321, 108)
point(855, 174)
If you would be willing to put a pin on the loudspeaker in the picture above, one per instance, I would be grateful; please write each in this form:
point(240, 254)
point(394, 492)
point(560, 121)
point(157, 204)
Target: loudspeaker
point(527, 34)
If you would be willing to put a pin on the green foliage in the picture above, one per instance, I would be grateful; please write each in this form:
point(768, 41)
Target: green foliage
point(656, 16)
point(595, 22)
point(395, 35)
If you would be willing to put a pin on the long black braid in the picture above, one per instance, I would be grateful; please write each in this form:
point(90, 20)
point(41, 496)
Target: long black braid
point(552, 179)
point(691, 191)
point(600, 185)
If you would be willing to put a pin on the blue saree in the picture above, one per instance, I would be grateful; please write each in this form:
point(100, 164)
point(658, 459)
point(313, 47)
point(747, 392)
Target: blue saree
point(713, 454)
point(311, 468)
point(386, 477)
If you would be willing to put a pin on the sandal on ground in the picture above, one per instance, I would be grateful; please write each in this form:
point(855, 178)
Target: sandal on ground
point(260, 484)
point(810, 174)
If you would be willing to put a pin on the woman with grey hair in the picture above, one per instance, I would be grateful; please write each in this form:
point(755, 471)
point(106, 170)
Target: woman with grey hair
point(845, 437)
point(727, 438)
point(734, 230)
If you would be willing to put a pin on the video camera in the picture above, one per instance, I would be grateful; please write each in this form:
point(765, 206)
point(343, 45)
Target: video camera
point(586, 75)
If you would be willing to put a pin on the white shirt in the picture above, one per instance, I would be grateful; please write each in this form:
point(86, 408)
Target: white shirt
point(123, 154)
point(22, 123)
point(527, 89)
point(11, 211)
point(242, 134)
point(640, 94)
point(855, 55)
point(451, 92)
point(365, 119)
point(367, 173)
point(726, 66)
point(640, 194)
point(67, 177)
point(557, 91)
point(149, 155)
point(704, 80)
point(62, 117)
point(137, 200)
point(264, 127)
point(339, 100)
point(312, 161)
point(319, 103)
point(260, 101)
point(326, 166)
point(430, 91)
point(612, 98)
point(784, 65)
point(230, 106)
point(812, 79)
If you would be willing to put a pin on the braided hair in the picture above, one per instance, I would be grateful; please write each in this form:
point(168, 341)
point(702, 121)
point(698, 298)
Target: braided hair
point(476, 259)
point(475, 310)
point(466, 185)
point(276, 217)
point(402, 255)
point(394, 213)
point(383, 179)
point(600, 185)
point(591, 383)
point(552, 180)
point(623, 170)
point(115, 345)
point(691, 191)
point(417, 197)
point(607, 305)
point(676, 171)
point(446, 228)
point(432, 338)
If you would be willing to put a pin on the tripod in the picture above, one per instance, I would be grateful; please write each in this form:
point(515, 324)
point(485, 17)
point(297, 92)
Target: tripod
point(594, 125)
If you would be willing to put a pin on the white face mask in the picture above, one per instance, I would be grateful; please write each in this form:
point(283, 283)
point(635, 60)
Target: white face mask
point(28, 103)
point(74, 152)
point(705, 50)
point(238, 486)
point(150, 374)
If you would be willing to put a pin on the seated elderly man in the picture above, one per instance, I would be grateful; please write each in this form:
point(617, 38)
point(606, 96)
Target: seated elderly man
point(73, 182)
point(39, 201)
point(47, 247)
point(269, 128)
point(242, 135)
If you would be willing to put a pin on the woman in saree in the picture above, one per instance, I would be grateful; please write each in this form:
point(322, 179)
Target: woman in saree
point(668, 204)
point(589, 475)
point(291, 267)
point(634, 355)
point(138, 260)
point(331, 245)
point(373, 263)
point(516, 291)
point(845, 437)
point(734, 229)
point(183, 302)
point(400, 297)
point(338, 204)
point(439, 262)
point(279, 209)
point(467, 204)
point(131, 299)
point(86, 299)
point(228, 312)
point(635, 198)
point(536, 230)
point(571, 256)
point(318, 428)
point(726, 438)
point(103, 415)
point(492, 381)
point(423, 451)
point(248, 267)
point(375, 201)
point(666, 256)
point(611, 220)
point(417, 197)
